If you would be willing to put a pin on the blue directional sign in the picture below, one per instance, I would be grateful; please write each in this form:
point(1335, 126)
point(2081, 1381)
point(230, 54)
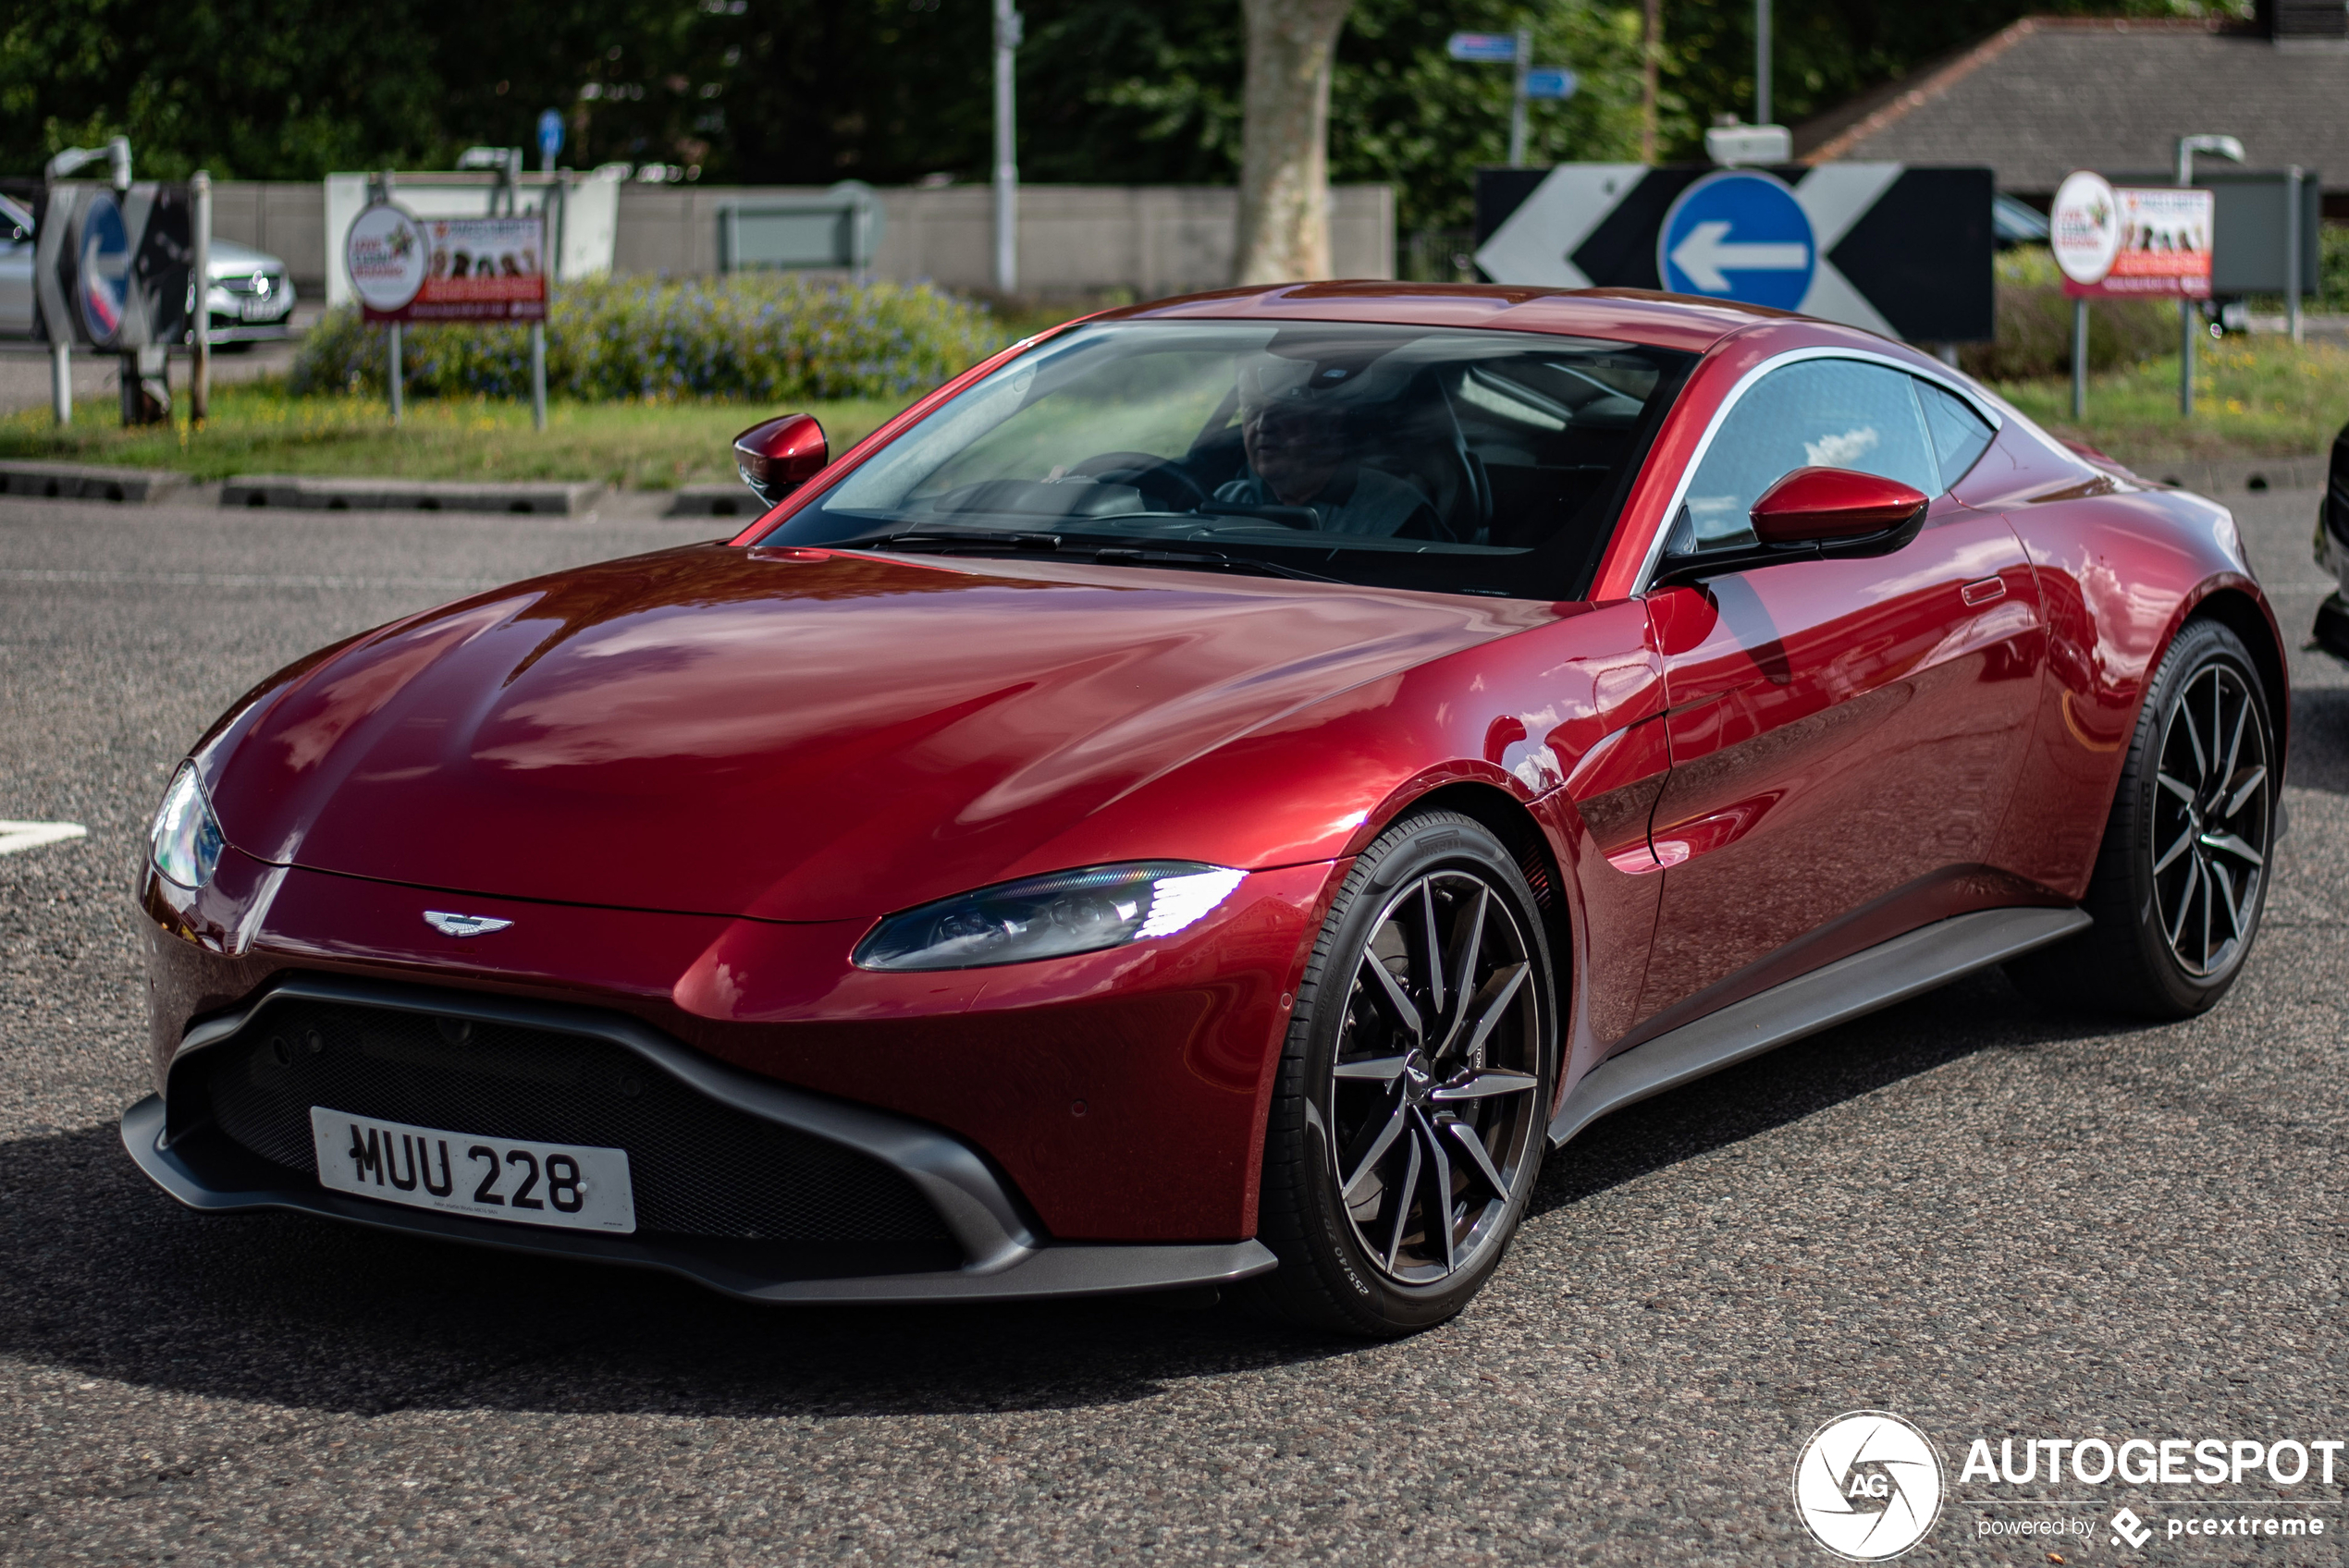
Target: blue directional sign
point(1551, 81)
point(1492, 48)
point(550, 133)
point(1737, 235)
point(104, 271)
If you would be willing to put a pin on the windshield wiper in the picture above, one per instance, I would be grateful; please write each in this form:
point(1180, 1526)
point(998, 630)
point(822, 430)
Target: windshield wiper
point(1107, 554)
point(1119, 555)
point(935, 538)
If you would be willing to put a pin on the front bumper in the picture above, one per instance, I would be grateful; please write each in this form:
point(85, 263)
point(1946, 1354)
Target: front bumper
point(187, 1151)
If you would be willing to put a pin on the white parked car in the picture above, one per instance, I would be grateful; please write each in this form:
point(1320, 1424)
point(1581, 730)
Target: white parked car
point(251, 297)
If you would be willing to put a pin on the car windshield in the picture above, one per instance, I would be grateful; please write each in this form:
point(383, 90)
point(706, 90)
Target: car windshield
point(1456, 461)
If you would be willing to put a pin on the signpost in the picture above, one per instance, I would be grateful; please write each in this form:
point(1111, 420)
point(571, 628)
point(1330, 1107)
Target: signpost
point(550, 138)
point(1897, 249)
point(2131, 241)
point(406, 269)
point(1555, 83)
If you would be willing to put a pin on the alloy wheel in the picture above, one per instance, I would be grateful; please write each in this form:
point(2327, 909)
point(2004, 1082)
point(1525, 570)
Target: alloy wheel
point(2212, 796)
point(1433, 1102)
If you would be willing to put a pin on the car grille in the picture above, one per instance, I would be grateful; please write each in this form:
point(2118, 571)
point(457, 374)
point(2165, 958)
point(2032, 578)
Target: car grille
point(699, 1168)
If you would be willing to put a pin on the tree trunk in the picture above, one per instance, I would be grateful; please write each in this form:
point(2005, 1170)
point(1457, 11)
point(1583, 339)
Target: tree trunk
point(1651, 51)
point(1285, 160)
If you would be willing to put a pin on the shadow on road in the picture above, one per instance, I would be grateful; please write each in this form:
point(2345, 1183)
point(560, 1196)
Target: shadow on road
point(2320, 756)
point(101, 1273)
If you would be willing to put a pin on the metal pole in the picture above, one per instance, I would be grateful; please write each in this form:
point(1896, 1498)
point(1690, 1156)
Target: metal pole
point(1007, 40)
point(538, 374)
point(393, 374)
point(2186, 356)
point(1517, 106)
point(1761, 62)
point(2079, 358)
point(61, 381)
point(200, 378)
point(2292, 243)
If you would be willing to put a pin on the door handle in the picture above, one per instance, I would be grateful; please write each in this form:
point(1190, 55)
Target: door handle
point(1984, 591)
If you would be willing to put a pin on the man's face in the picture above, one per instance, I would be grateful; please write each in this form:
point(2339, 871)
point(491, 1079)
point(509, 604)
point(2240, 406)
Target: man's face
point(1294, 450)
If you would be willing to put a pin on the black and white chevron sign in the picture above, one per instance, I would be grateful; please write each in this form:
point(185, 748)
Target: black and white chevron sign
point(1895, 248)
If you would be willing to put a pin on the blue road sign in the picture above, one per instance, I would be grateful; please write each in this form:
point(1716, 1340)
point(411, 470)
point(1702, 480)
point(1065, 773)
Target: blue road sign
point(1491, 48)
point(103, 281)
point(1551, 81)
point(1739, 235)
point(550, 133)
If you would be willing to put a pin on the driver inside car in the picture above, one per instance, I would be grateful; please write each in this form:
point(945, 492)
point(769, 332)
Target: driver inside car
point(1298, 426)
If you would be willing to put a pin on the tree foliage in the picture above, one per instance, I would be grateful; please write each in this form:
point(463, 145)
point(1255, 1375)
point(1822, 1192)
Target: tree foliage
point(807, 91)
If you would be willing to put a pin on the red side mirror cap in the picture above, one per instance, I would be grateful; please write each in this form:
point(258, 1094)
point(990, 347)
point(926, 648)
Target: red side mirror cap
point(779, 456)
point(1822, 505)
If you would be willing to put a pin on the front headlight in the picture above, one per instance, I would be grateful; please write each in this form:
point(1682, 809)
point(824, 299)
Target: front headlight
point(1067, 912)
point(185, 840)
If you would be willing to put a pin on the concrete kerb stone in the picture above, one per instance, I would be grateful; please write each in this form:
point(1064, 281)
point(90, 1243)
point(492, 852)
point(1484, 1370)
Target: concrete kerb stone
point(547, 498)
point(83, 481)
point(713, 500)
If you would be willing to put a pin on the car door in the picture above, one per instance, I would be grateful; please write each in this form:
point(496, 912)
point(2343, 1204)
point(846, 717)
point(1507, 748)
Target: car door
point(1844, 735)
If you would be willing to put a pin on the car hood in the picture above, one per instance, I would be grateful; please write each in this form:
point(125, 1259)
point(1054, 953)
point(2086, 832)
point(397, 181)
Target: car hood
point(789, 734)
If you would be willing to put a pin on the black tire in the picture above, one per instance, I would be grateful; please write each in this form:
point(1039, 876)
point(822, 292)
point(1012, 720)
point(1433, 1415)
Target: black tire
point(2181, 877)
point(1438, 884)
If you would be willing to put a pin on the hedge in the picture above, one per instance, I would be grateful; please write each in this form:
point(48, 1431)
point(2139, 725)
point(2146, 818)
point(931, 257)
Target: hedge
point(760, 337)
point(2033, 325)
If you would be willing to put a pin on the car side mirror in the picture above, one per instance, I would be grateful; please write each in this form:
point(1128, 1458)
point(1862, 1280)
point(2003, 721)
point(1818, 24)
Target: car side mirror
point(1813, 514)
point(778, 457)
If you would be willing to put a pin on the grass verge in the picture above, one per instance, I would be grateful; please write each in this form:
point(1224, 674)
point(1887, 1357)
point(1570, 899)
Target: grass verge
point(260, 428)
point(2254, 397)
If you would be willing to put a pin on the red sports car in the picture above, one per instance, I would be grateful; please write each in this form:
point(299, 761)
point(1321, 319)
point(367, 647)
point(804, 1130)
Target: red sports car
point(1210, 797)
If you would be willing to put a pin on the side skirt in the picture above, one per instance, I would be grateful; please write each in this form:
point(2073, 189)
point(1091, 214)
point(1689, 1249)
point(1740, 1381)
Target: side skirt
point(1890, 972)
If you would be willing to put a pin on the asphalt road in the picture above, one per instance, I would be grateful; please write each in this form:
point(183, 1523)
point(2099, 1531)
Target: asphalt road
point(1988, 1220)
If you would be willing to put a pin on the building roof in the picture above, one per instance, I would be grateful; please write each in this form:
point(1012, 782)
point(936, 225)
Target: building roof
point(2051, 94)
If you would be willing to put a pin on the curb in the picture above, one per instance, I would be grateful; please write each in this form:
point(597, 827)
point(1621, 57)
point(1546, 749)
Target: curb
point(81, 482)
point(713, 500)
point(550, 499)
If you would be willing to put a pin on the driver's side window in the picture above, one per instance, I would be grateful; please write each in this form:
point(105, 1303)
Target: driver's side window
point(1827, 413)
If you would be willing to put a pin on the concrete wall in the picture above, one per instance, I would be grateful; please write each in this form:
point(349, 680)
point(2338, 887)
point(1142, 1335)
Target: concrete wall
point(1154, 239)
point(1073, 239)
point(285, 218)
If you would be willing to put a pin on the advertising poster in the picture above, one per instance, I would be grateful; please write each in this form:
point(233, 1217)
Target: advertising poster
point(409, 269)
point(2132, 241)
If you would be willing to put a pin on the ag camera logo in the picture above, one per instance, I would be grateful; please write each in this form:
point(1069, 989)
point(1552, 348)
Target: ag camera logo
point(1868, 1486)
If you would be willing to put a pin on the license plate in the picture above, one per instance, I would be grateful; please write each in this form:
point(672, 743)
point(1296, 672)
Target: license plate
point(257, 310)
point(579, 1188)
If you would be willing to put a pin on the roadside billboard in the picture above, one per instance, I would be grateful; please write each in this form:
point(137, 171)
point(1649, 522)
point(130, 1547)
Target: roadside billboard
point(404, 268)
point(2132, 241)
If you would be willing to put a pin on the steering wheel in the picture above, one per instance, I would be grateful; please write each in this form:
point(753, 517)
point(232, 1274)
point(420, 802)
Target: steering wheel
point(1160, 479)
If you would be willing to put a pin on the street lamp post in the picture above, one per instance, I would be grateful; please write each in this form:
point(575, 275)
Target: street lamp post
point(1008, 28)
point(2217, 147)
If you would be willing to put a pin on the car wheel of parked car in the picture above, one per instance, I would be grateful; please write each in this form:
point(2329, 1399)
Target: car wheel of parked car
point(2182, 873)
point(1408, 1123)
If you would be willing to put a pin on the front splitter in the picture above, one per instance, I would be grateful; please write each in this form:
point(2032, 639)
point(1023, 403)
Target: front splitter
point(224, 1184)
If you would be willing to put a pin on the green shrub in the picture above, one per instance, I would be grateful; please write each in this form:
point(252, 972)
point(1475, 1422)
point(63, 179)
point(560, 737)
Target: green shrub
point(2034, 324)
point(757, 337)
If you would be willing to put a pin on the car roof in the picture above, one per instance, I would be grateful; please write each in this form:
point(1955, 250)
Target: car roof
point(1633, 315)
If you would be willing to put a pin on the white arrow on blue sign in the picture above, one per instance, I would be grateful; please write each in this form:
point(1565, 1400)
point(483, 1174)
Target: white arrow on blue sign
point(550, 133)
point(1737, 235)
point(1551, 81)
point(1492, 48)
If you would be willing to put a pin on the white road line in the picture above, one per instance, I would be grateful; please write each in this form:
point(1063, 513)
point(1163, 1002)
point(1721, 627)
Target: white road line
point(243, 580)
point(15, 835)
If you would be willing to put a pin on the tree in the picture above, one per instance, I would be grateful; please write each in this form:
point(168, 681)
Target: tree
point(1285, 140)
